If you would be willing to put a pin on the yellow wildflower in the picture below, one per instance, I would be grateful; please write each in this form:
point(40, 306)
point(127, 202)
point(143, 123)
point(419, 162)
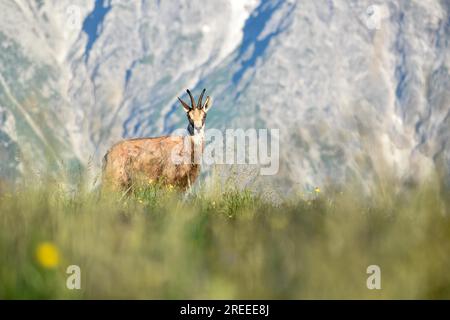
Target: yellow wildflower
point(317, 190)
point(47, 255)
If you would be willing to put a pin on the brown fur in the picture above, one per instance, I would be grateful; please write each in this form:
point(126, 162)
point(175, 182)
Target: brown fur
point(149, 160)
point(138, 162)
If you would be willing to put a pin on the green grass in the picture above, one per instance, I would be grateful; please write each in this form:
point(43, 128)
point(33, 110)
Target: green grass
point(221, 242)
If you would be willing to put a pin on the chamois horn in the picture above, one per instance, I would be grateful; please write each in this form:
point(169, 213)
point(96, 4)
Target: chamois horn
point(192, 98)
point(199, 104)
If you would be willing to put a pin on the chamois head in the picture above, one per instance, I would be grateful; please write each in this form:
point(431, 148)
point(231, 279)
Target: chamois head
point(196, 113)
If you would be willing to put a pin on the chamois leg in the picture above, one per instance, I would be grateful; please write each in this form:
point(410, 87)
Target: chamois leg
point(187, 189)
point(189, 182)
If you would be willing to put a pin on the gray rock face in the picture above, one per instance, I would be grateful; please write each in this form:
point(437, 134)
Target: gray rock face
point(357, 88)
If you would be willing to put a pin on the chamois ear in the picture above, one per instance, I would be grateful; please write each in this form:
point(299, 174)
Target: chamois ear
point(208, 104)
point(185, 105)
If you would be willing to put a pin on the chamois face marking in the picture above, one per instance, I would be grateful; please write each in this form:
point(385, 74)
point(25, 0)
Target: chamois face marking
point(197, 118)
point(196, 113)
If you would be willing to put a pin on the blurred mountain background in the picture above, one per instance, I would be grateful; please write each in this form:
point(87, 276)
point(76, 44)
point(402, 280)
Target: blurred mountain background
point(357, 88)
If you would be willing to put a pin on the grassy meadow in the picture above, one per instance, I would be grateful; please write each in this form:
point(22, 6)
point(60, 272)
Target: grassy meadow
point(219, 242)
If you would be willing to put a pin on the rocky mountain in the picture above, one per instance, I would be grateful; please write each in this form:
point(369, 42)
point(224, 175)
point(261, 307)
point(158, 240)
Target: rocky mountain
point(357, 88)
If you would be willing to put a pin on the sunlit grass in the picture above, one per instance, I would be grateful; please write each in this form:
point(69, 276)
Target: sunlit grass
point(223, 242)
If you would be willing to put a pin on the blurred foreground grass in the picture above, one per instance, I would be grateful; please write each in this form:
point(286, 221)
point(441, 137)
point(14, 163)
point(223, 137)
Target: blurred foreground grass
point(223, 243)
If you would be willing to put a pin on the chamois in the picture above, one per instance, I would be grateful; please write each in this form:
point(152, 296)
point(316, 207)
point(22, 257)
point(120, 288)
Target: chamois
point(169, 160)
